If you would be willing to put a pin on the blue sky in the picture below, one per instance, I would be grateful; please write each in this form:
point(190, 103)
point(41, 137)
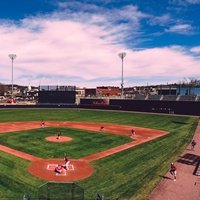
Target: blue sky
point(77, 42)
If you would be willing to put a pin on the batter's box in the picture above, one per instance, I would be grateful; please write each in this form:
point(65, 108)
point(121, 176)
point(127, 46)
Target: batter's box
point(70, 167)
point(52, 167)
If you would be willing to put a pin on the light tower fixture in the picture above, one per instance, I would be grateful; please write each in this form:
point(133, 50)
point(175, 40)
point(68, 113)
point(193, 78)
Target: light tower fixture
point(122, 56)
point(12, 57)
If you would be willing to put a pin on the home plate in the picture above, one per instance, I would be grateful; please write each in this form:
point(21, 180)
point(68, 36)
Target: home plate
point(70, 167)
point(62, 174)
point(52, 167)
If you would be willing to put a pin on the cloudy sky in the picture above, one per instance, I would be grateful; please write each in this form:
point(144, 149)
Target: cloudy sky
point(61, 42)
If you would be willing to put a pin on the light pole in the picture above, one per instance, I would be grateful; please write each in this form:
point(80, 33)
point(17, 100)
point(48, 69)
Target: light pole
point(122, 56)
point(12, 57)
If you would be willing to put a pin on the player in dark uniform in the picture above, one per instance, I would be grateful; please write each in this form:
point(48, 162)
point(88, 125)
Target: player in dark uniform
point(173, 170)
point(59, 169)
point(193, 144)
point(101, 128)
point(42, 124)
point(66, 162)
point(132, 133)
point(58, 135)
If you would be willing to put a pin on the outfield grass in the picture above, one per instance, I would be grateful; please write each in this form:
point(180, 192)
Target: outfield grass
point(130, 174)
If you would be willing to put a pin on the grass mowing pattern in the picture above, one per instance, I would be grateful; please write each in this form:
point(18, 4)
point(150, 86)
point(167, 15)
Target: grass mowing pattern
point(84, 142)
point(143, 120)
point(135, 172)
point(15, 180)
point(130, 174)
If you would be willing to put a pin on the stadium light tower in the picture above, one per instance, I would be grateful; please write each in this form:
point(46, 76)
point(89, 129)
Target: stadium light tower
point(122, 56)
point(12, 57)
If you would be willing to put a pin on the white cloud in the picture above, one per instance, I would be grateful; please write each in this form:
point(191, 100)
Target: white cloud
point(163, 61)
point(195, 50)
point(122, 22)
point(51, 50)
point(162, 20)
point(185, 29)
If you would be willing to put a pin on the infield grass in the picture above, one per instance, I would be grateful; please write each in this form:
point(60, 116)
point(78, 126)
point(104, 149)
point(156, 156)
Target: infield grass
point(84, 142)
point(131, 174)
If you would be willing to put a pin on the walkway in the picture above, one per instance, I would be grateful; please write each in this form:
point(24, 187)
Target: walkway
point(187, 186)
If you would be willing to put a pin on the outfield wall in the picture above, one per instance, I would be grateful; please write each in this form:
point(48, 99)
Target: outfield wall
point(170, 107)
point(173, 107)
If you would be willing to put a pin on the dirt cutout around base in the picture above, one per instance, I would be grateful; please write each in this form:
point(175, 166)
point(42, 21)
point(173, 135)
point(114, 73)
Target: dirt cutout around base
point(76, 170)
point(56, 139)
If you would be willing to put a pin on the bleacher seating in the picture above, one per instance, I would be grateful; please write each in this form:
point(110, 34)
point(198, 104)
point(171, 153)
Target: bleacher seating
point(154, 97)
point(140, 97)
point(164, 97)
point(187, 97)
point(170, 97)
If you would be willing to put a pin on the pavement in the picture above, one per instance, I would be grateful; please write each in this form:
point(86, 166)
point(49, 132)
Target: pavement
point(187, 185)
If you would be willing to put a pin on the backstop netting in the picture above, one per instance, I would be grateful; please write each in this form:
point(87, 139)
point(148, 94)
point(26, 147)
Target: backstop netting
point(60, 191)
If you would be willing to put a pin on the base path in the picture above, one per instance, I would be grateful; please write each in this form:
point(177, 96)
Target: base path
point(187, 185)
point(19, 153)
point(80, 168)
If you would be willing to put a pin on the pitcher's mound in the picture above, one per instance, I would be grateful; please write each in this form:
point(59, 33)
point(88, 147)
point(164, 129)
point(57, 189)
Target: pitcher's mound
point(76, 170)
point(60, 139)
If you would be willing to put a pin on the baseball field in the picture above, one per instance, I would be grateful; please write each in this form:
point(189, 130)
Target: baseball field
point(118, 166)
